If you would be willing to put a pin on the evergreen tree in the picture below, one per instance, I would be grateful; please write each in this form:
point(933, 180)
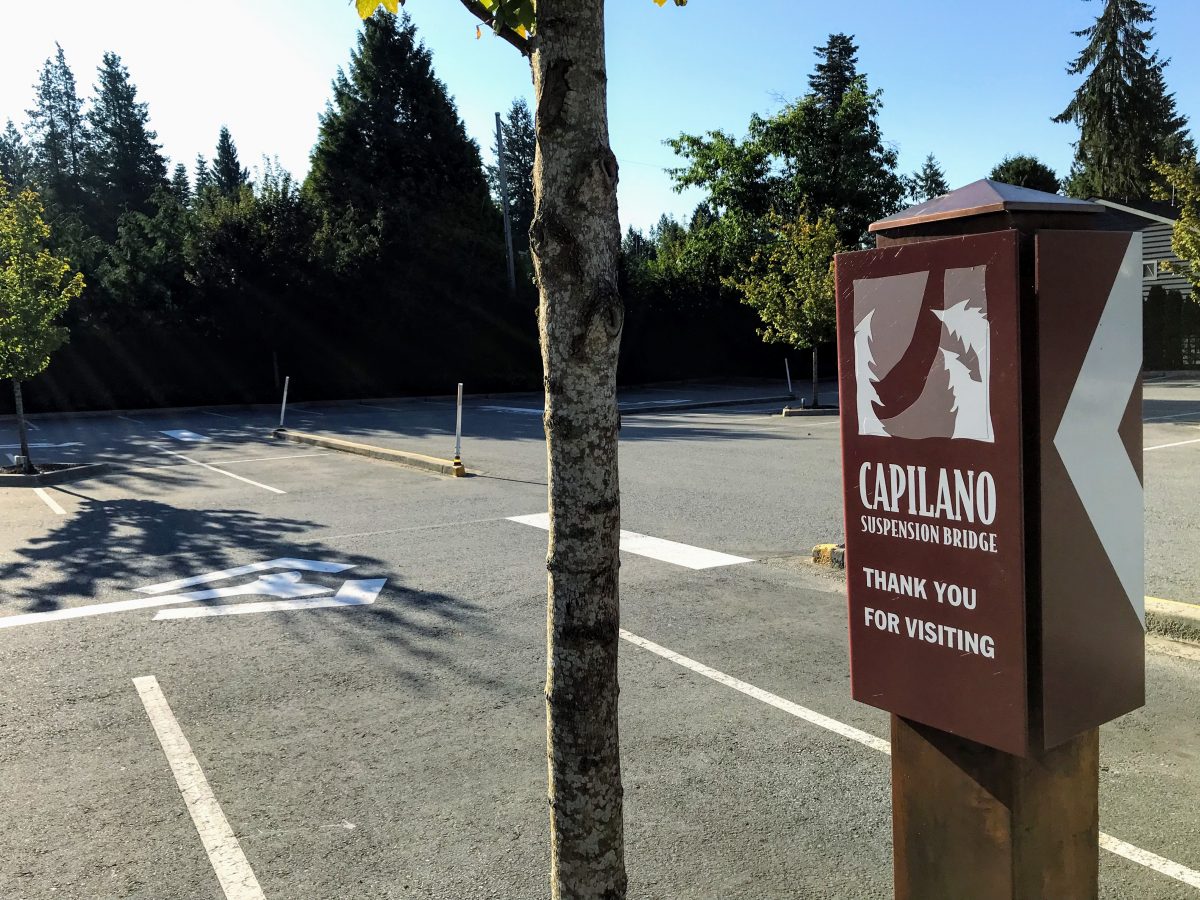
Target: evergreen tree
point(927, 182)
point(829, 149)
point(144, 275)
point(1026, 171)
point(201, 177)
point(393, 174)
point(124, 165)
point(836, 69)
point(16, 159)
point(58, 133)
point(228, 176)
point(822, 152)
point(1125, 114)
point(181, 187)
point(520, 143)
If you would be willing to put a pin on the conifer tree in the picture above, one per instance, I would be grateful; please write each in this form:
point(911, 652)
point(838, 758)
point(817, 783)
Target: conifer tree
point(927, 182)
point(393, 173)
point(58, 133)
point(520, 143)
point(201, 177)
point(16, 159)
point(228, 176)
point(1124, 112)
point(181, 187)
point(822, 152)
point(124, 165)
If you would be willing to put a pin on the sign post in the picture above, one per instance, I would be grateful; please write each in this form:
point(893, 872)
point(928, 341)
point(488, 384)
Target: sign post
point(990, 357)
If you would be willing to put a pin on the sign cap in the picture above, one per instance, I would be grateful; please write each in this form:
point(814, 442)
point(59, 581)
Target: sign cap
point(984, 196)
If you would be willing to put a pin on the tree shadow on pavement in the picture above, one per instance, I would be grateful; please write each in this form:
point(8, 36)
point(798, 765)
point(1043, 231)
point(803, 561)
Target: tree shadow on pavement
point(109, 548)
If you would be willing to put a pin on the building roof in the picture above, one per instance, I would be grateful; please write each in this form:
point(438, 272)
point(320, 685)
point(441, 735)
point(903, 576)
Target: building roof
point(984, 196)
point(1154, 210)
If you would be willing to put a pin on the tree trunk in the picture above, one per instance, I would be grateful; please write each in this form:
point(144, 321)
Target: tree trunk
point(816, 400)
point(22, 431)
point(575, 240)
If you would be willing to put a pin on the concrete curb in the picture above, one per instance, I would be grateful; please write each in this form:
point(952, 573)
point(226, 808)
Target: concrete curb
point(1172, 619)
point(62, 476)
point(403, 457)
point(700, 404)
point(1168, 618)
point(808, 411)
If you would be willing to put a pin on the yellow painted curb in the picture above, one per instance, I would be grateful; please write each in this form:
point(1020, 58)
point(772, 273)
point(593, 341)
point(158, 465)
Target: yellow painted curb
point(403, 457)
point(831, 555)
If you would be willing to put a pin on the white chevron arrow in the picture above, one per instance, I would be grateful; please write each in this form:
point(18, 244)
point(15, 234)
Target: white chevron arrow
point(1087, 439)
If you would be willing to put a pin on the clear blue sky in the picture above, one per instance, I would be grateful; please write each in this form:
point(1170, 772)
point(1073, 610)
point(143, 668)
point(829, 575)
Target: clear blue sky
point(969, 82)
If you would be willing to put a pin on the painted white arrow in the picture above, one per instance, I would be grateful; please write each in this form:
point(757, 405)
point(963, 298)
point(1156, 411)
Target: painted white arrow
point(1088, 441)
point(352, 593)
point(300, 565)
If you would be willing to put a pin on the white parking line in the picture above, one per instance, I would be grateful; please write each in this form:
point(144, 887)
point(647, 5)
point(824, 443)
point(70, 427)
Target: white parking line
point(217, 414)
point(1194, 412)
point(1153, 861)
point(1176, 444)
point(224, 852)
point(522, 410)
point(196, 462)
point(246, 459)
point(656, 548)
point(50, 502)
point(134, 421)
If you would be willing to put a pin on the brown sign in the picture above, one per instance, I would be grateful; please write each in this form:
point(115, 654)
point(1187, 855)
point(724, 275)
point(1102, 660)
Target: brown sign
point(991, 441)
point(930, 385)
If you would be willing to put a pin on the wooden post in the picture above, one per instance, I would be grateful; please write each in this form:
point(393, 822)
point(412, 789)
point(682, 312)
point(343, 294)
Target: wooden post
point(971, 821)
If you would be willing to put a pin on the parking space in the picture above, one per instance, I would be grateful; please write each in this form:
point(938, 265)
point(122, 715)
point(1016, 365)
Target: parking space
point(353, 656)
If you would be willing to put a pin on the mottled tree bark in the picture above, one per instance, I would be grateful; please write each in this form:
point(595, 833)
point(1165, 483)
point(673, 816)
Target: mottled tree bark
point(575, 238)
point(22, 431)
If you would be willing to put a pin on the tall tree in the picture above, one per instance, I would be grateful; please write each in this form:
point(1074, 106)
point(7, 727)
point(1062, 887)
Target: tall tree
point(575, 240)
point(1026, 171)
point(1125, 114)
point(58, 133)
point(520, 144)
point(394, 178)
point(201, 177)
point(16, 159)
point(144, 274)
point(228, 176)
point(927, 182)
point(822, 152)
point(34, 292)
point(124, 165)
point(181, 186)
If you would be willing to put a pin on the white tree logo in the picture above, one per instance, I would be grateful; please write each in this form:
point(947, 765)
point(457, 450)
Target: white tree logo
point(972, 400)
point(864, 364)
point(955, 399)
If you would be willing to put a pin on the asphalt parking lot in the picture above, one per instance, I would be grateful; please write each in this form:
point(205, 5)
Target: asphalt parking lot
point(373, 727)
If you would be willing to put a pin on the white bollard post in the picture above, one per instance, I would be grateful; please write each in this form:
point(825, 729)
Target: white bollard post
point(283, 408)
point(458, 430)
point(788, 369)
